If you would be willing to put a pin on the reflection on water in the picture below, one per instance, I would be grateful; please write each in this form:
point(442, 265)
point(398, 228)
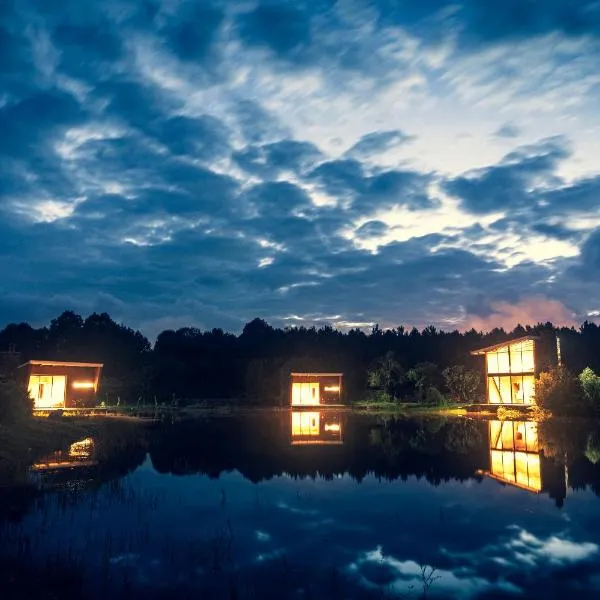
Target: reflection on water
point(316, 427)
point(363, 507)
point(514, 454)
point(79, 454)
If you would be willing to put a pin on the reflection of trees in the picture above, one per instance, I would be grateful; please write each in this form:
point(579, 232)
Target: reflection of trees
point(437, 449)
point(259, 447)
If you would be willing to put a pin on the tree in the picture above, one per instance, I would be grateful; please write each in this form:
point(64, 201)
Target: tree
point(15, 403)
point(424, 376)
point(463, 385)
point(386, 374)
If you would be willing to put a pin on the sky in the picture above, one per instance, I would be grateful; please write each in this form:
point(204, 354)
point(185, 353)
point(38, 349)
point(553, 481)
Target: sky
point(196, 163)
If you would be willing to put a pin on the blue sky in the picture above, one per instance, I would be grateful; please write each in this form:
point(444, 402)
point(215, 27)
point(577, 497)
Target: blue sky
point(202, 163)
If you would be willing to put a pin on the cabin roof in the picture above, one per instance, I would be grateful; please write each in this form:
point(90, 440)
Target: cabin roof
point(60, 363)
point(317, 374)
point(493, 347)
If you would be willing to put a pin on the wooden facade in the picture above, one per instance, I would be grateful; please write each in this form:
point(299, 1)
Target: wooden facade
point(510, 371)
point(57, 385)
point(315, 389)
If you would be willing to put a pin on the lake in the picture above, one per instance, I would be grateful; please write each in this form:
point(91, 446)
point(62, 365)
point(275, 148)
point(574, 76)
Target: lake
point(312, 504)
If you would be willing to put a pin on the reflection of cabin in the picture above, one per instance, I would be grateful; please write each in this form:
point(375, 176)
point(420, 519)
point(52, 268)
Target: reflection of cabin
point(517, 459)
point(514, 454)
point(510, 371)
point(314, 389)
point(79, 454)
point(54, 385)
point(316, 427)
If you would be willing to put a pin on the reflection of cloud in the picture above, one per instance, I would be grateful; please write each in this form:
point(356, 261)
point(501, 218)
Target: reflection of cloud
point(376, 571)
point(555, 550)
point(525, 550)
point(262, 536)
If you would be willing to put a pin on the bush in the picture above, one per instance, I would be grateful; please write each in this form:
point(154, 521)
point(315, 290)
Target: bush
point(434, 397)
point(15, 403)
point(558, 391)
point(592, 450)
point(590, 385)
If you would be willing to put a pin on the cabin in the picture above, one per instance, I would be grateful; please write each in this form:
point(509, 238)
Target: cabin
point(510, 371)
point(314, 427)
point(315, 389)
point(57, 385)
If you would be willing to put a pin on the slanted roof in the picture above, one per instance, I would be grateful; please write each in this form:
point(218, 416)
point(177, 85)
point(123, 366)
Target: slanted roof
point(60, 363)
point(318, 374)
point(525, 338)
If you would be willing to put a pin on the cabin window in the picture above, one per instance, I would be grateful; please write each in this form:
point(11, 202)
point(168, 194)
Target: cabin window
point(305, 394)
point(47, 391)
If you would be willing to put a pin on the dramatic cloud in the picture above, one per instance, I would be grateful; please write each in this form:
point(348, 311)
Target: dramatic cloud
point(312, 162)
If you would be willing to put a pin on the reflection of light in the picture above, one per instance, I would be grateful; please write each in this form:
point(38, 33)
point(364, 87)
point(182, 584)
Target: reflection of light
point(514, 454)
point(332, 388)
point(332, 427)
point(82, 448)
point(83, 385)
point(305, 423)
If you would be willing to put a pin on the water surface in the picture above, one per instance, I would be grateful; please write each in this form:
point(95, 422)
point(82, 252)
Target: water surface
point(314, 505)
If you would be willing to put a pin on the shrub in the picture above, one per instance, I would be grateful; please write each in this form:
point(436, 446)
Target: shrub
point(434, 397)
point(590, 385)
point(592, 451)
point(558, 391)
point(15, 403)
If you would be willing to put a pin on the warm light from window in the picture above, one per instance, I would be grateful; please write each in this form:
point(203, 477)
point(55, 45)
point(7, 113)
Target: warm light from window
point(332, 427)
point(332, 388)
point(83, 385)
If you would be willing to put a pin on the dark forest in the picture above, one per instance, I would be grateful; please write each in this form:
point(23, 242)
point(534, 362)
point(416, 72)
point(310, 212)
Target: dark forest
point(189, 364)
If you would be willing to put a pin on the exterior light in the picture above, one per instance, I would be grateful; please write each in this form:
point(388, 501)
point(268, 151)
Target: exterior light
point(83, 385)
point(331, 388)
point(332, 427)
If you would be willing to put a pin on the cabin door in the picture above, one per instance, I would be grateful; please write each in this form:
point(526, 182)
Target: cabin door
point(47, 391)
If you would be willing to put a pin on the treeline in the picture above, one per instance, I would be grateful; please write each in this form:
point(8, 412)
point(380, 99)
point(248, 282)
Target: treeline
point(190, 364)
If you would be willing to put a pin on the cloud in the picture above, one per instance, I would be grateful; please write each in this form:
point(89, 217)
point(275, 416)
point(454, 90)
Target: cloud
point(169, 159)
point(526, 311)
point(508, 130)
point(378, 141)
point(509, 184)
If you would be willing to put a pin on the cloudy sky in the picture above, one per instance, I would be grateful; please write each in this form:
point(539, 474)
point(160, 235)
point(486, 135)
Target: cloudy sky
point(187, 162)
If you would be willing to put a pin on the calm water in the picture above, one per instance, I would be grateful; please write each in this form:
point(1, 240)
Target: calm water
point(311, 505)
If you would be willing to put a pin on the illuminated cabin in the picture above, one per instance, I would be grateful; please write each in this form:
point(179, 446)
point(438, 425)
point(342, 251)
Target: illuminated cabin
point(510, 371)
point(314, 427)
point(515, 457)
point(57, 385)
point(315, 389)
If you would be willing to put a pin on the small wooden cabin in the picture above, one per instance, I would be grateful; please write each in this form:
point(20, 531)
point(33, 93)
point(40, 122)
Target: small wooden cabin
point(315, 389)
point(54, 384)
point(510, 371)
